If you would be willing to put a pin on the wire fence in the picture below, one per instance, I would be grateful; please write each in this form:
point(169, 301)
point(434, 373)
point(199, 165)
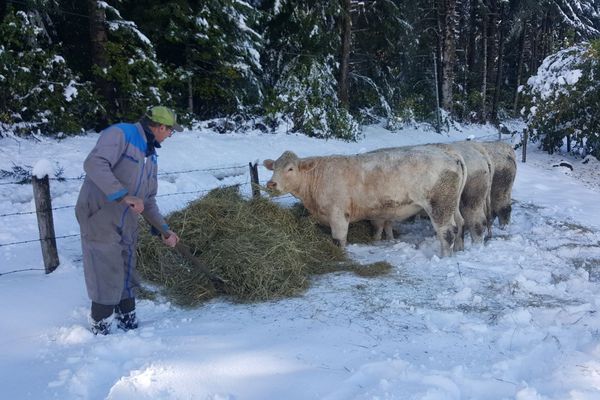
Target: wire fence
point(202, 192)
point(27, 180)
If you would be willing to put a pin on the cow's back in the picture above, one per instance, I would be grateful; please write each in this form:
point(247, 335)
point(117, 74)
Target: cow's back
point(411, 175)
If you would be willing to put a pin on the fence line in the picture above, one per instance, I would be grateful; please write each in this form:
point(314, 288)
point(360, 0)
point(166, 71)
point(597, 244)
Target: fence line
point(35, 212)
point(21, 270)
point(37, 240)
point(237, 166)
point(27, 180)
point(63, 207)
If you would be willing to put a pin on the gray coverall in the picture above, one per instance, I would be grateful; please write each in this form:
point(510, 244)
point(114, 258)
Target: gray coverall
point(116, 166)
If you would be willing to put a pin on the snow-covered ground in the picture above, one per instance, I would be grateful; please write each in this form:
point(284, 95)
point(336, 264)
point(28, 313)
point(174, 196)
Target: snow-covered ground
point(515, 318)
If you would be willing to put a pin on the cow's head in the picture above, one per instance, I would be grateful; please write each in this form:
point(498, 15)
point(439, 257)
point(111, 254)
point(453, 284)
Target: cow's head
point(288, 171)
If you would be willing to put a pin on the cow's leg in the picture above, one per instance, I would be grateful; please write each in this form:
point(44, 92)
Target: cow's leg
point(459, 240)
point(378, 225)
point(504, 214)
point(447, 235)
point(489, 216)
point(447, 221)
point(459, 227)
point(445, 230)
point(389, 231)
point(339, 228)
point(472, 223)
point(475, 221)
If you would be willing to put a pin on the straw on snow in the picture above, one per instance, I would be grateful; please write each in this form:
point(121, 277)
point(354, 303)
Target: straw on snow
point(261, 251)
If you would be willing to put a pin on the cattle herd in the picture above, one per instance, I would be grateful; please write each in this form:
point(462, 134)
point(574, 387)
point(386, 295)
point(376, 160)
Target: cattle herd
point(461, 186)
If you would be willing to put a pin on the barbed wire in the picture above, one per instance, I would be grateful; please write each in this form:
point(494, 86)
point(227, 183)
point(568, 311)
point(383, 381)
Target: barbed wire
point(80, 178)
point(34, 212)
point(239, 166)
point(37, 240)
point(63, 207)
point(21, 270)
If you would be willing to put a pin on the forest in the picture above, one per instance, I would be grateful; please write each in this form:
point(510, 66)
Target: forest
point(323, 67)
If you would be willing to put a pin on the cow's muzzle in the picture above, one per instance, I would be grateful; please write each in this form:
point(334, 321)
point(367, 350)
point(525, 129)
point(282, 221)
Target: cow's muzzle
point(271, 185)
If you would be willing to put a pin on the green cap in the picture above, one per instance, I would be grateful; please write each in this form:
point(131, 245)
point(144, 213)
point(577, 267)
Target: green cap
point(165, 116)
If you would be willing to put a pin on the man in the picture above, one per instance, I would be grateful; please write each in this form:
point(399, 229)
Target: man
point(120, 184)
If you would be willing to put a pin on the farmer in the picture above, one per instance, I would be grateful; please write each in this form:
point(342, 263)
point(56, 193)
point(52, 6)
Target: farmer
point(120, 184)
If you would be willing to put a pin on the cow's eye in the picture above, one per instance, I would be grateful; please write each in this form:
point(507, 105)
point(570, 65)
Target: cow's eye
point(290, 169)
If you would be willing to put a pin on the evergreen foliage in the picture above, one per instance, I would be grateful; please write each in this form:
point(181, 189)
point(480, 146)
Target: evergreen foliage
point(301, 38)
point(66, 67)
point(212, 49)
point(133, 69)
point(565, 98)
point(38, 91)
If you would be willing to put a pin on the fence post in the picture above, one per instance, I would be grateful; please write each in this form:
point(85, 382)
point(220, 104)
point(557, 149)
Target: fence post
point(254, 180)
point(524, 150)
point(43, 207)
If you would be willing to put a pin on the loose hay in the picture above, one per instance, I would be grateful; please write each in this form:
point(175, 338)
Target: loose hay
point(261, 251)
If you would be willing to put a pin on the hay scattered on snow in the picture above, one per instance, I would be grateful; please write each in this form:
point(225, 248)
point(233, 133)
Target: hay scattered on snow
point(261, 251)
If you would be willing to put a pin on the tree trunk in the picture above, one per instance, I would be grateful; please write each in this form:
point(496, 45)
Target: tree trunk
point(346, 32)
point(519, 69)
point(99, 38)
point(448, 53)
point(499, 63)
point(484, 63)
point(190, 95)
point(471, 45)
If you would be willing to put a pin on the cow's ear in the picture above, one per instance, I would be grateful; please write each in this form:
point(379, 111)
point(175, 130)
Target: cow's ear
point(269, 164)
point(306, 165)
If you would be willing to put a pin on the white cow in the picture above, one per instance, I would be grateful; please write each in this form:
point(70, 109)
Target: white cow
point(383, 185)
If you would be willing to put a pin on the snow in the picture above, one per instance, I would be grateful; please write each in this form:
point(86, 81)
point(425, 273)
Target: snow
point(43, 168)
point(515, 318)
point(70, 91)
point(557, 71)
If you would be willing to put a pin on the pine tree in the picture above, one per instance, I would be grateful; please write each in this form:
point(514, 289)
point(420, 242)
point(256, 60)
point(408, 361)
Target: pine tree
point(212, 51)
point(302, 43)
point(131, 68)
point(38, 91)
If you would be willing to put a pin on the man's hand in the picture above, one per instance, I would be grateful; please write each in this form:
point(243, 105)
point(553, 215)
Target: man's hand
point(170, 238)
point(136, 204)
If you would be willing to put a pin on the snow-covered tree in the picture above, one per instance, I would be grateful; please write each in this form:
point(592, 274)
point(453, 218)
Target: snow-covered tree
point(384, 47)
point(565, 99)
point(38, 91)
point(302, 43)
point(130, 67)
point(212, 51)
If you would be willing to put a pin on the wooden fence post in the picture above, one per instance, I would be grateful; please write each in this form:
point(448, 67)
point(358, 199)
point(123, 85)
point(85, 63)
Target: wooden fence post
point(43, 207)
point(254, 180)
point(524, 150)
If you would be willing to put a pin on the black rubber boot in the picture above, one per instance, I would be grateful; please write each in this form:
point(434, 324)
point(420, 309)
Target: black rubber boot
point(101, 320)
point(125, 314)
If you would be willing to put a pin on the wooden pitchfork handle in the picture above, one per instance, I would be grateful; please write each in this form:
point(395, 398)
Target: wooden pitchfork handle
point(216, 281)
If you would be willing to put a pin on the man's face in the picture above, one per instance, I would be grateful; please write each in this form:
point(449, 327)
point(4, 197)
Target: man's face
point(163, 132)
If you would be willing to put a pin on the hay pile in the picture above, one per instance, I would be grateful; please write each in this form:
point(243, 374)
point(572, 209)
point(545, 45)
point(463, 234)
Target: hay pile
point(260, 250)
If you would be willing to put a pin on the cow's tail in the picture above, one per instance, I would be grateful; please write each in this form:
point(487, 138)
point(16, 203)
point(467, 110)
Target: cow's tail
point(458, 218)
point(463, 167)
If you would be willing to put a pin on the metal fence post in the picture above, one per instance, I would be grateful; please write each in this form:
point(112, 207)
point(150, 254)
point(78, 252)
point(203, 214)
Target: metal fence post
point(43, 207)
